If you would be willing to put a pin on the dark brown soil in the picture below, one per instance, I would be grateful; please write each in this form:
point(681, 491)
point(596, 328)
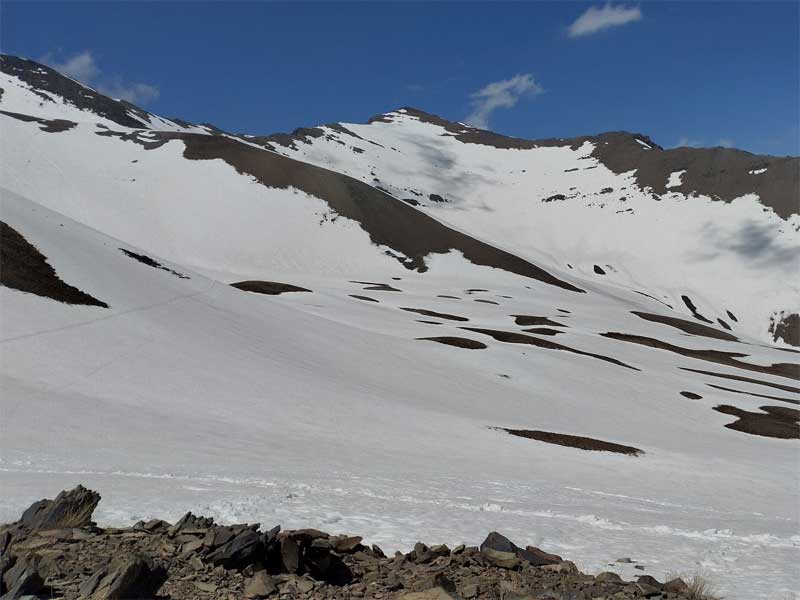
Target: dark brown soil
point(271, 288)
point(529, 321)
point(543, 331)
point(150, 262)
point(428, 322)
point(777, 386)
point(382, 287)
point(776, 421)
point(26, 269)
point(48, 125)
point(438, 315)
point(691, 396)
point(787, 329)
point(446, 296)
point(486, 301)
point(367, 298)
point(458, 342)
point(788, 370)
point(573, 441)
point(388, 221)
point(518, 338)
point(766, 396)
point(686, 326)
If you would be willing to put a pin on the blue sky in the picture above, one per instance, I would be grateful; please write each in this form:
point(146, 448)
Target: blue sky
point(694, 73)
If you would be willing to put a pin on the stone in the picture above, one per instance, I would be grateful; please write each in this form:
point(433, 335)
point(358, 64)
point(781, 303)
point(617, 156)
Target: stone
point(624, 560)
point(260, 585)
point(651, 581)
point(242, 550)
point(290, 555)
point(72, 508)
point(440, 550)
point(539, 557)
point(504, 560)
point(206, 587)
point(348, 545)
point(606, 576)
point(23, 579)
point(127, 578)
point(676, 586)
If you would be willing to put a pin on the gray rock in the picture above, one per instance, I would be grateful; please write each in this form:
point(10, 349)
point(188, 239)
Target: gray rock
point(127, 578)
point(290, 555)
point(72, 508)
point(260, 585)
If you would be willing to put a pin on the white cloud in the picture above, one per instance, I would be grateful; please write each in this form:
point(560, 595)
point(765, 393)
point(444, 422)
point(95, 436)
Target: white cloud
point(83, 67)
point(725, 143)
point(80, 66)
point(687, 142)
point(597, 18)
point(136, 93)
point(500, 94)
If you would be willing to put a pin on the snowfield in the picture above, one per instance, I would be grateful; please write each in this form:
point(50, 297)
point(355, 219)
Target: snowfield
point(320, 409)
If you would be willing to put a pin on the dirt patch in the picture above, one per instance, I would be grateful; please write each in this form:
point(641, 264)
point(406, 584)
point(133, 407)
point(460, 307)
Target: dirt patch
point(529, 321)
point(48, 125)
point(146, 260)
point(446, 296)
point(388, 222)
point(271, 288)
point(518, 338)
point(486, 301)
point(428, 322)
point(776, 421)
point(686, 326)
point(26, 269)
point(691, 396)
point(573, 441)
point(788, 370)
point(458, 342)
point(432, 313)
point(786, 328)
point(377, 287)
point(366, 298)
point(690, 305)
point(543, 331)
point(653, 298)
point(777, 386)
point(754, 395)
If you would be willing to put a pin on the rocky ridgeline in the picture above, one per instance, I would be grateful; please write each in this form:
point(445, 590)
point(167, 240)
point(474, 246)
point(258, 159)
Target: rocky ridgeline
point(55, 550)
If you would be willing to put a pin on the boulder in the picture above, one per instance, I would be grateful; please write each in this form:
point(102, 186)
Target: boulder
point(260, 585)
point(244, 549)
point(348, 545)
point(126, 578)
point(72, 508)
point(539, 557)
point(498, 558)
point(676, 586)
point(290, 555)
point(23, 578)
point(608, 576)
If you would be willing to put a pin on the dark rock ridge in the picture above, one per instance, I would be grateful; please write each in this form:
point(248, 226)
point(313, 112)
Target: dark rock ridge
point(26, 269)
point(272, 288)
point(197, 558)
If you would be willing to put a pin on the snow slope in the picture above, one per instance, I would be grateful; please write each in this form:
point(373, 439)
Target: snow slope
point(325, 410)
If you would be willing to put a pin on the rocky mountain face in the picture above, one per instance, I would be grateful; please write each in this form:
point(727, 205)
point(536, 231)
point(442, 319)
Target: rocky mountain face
point(409, 328)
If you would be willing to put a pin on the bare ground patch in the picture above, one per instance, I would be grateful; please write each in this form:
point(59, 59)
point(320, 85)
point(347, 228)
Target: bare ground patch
point(150, 262)
point(26, 269)
point(686, 326)
point(433, 313)
point(776, 386)
point(531, 321)
point(511, 337)
point(776, 421)
point(788, 370)
point(543, 331)
point(458, 342)
point(573, 441)
point(754, 395)
point(365, 298)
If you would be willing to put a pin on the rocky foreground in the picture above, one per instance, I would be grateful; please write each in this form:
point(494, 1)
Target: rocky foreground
point(55, 550)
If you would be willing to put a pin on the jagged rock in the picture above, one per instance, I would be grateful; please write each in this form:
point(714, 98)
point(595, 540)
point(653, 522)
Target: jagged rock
point(504, 560)
point(23, 579)
point(651, 581)
point(676, 586)
point(190, 522)
point(128, 578)
point(72, 508)
point(607, 576)
point(536, 556)
point(242, 550)
point(290, 555)
point(348, 544)
point(260, 585)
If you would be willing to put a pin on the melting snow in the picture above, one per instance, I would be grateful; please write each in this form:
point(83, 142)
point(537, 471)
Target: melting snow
point(675, 179)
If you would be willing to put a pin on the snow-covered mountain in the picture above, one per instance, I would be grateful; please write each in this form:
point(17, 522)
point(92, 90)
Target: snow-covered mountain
point(598, 292)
